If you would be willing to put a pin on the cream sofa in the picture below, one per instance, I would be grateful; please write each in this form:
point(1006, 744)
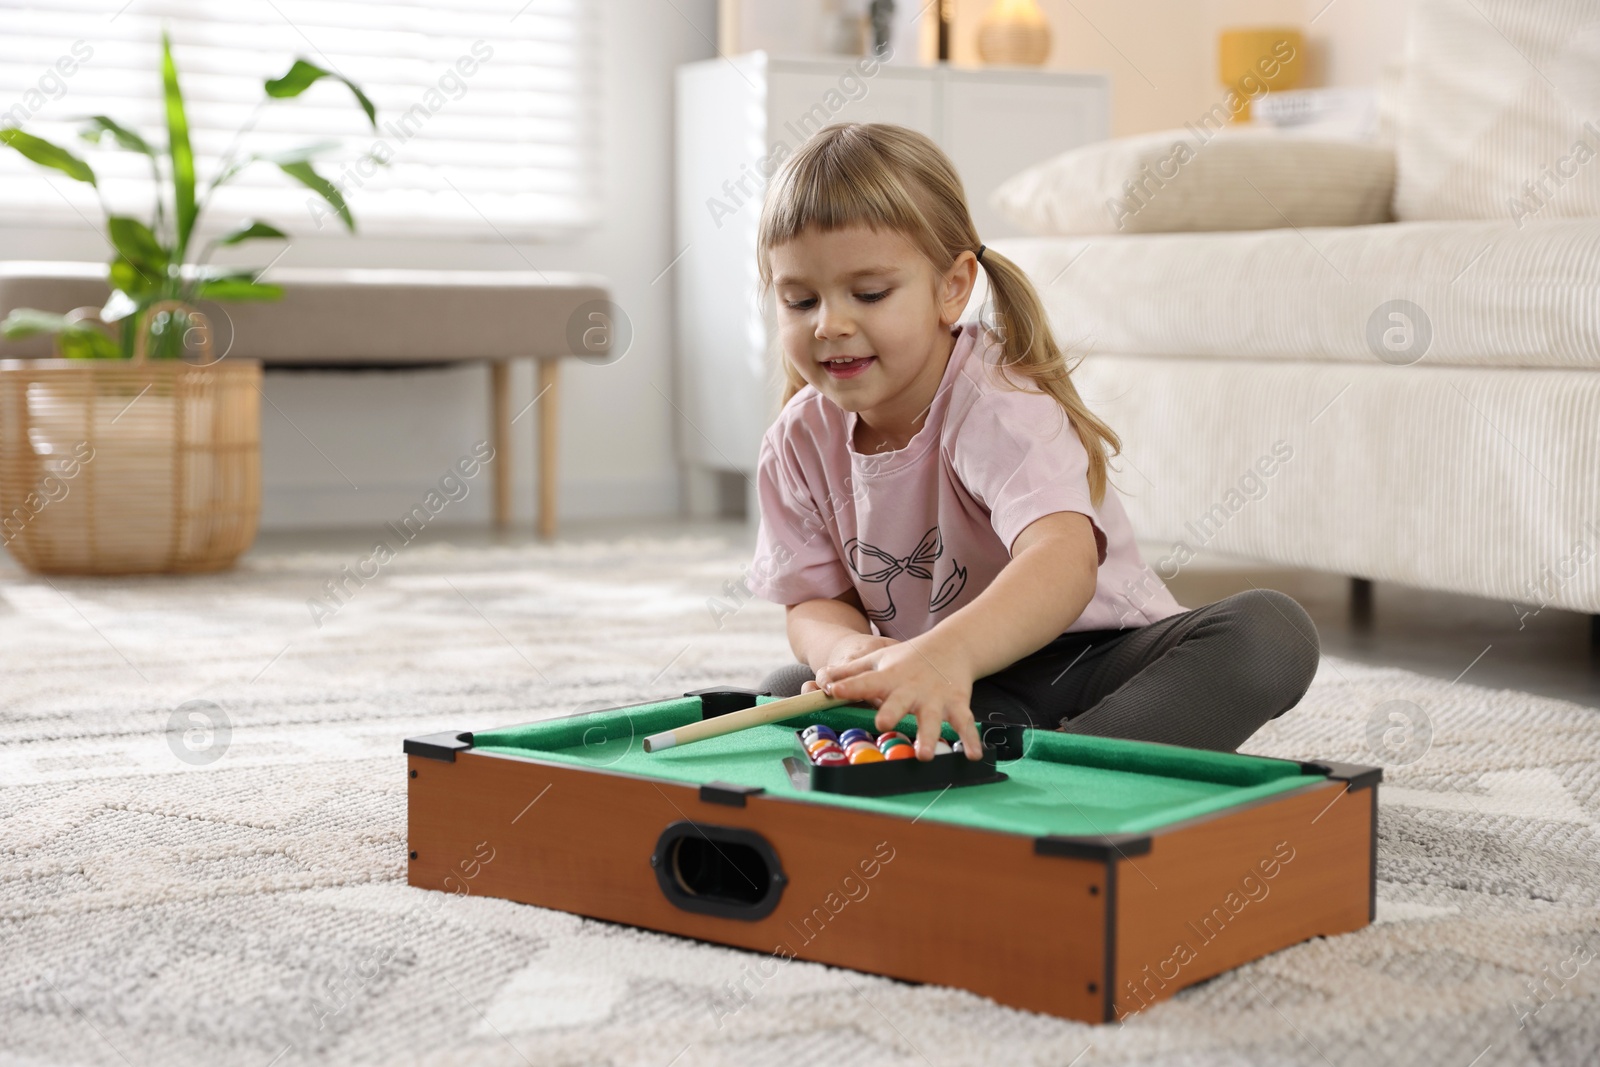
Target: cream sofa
point(1415, 401)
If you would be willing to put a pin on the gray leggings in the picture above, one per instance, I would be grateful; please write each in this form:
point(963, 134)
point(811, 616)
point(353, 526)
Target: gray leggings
point(1206, 678)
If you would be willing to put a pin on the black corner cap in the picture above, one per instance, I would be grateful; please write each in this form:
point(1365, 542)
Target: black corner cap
point(729, 793)
point(439, 746)
point(721, 699)
point(1008, 739)
point(1103, 847)
point(1353, 775)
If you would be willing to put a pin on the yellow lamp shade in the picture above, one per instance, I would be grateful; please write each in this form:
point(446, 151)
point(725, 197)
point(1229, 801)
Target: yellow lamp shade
point(1014, 32)
point(1256, 61)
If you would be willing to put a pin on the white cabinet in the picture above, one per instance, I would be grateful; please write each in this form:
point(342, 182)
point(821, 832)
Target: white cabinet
point(738, 117)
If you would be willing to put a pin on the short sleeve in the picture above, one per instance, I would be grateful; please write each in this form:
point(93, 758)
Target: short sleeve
point(794, 559)
point(1018, 454)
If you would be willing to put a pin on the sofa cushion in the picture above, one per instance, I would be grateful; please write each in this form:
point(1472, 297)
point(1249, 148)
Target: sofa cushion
point(1199, 179)
point(1499, 114)
point(1471, 293)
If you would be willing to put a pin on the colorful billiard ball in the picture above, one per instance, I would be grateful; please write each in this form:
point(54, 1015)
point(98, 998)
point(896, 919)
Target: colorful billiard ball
point(866, 754)
point(886, 743)
point(855, 746)
point(818, 744)
point(831, 758)
point(891, 733)
point(855, 733)
point(817, 730)
point(893, 752)
point(943, 747)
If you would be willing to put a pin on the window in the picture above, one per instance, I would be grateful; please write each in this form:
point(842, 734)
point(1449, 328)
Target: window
point(485, 112)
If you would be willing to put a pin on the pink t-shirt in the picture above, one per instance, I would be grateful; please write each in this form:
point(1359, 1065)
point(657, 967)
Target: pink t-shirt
point(922, 530)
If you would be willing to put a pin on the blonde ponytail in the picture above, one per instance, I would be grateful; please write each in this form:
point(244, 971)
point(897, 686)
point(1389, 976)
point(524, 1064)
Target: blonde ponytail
point(1029, 348)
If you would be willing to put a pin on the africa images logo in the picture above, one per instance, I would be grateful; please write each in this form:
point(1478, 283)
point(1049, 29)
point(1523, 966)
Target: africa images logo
point(199, 732)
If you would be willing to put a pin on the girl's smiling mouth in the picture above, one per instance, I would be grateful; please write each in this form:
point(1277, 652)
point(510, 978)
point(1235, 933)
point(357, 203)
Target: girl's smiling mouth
point(847, 367)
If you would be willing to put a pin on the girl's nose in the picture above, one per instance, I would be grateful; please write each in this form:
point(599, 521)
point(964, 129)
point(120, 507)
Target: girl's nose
point(832, 322)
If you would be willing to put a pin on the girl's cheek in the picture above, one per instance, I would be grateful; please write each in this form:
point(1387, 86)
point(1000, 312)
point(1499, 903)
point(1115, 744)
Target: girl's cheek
point(790, 336)
point(798, 353)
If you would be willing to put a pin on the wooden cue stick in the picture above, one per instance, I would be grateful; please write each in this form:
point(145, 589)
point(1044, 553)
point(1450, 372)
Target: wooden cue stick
point(760, 715)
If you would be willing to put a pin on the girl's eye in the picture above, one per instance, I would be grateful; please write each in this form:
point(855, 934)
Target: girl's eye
point(872, 298)
point(801, 305)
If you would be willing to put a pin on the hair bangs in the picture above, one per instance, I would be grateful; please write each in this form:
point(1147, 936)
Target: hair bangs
point(831, 183)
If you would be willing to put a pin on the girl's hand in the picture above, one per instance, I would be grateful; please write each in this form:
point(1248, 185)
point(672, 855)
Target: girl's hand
point(847, 650)
point(905, 680)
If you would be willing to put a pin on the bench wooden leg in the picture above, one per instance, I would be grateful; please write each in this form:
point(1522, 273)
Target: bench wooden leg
point(500, 434)
point(548, 406)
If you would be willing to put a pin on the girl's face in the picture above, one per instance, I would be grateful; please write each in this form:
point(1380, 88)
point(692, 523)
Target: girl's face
point(866, 320)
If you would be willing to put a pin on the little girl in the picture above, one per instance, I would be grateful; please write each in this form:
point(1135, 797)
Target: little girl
point(935, 511)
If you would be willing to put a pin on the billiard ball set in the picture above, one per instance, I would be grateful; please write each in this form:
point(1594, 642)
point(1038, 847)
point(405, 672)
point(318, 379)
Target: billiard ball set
point(857, 762)
point(856, 745)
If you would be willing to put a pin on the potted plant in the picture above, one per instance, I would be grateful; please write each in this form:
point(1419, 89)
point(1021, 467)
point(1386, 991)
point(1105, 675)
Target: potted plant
point(124, 455)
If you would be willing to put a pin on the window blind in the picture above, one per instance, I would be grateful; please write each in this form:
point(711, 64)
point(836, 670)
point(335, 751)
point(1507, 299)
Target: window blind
point(485, 109)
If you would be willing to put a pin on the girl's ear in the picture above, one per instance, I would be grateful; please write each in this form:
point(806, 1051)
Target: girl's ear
point(955, 288)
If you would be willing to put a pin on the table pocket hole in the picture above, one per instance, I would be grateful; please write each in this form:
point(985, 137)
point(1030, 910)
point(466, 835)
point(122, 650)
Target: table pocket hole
point(725, 871)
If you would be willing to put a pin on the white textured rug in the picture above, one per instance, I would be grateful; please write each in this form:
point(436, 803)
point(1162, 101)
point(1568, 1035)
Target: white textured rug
point(156, 908)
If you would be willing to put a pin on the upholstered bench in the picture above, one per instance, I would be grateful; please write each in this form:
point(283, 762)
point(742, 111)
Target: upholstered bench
point(385, 318)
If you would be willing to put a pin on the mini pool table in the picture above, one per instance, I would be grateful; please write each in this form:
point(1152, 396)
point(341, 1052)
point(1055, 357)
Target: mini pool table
point(1098, 877)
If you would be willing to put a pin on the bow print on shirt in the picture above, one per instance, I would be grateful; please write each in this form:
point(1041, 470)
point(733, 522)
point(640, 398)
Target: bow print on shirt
point(882, 566)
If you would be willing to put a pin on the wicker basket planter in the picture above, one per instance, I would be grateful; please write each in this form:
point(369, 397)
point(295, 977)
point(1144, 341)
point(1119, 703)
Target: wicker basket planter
point(129, 466)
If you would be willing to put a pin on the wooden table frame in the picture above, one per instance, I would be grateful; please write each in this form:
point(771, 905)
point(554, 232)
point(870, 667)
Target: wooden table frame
point(594, 846)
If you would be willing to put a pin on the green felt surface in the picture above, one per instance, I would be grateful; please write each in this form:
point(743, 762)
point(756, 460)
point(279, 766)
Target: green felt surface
point(1065, 784)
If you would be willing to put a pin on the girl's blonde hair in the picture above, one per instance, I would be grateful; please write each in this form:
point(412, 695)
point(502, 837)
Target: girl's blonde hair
point(891, 178)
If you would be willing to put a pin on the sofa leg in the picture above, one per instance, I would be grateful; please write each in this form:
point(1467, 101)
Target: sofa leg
point(1361, 601)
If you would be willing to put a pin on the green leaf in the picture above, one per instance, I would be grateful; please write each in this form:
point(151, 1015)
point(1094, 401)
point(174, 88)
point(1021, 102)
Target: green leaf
point(29, 322)
point(238, 289)
point(178, 148)
point(46, 154)
point(250, 231)
point(99, 127)
point(303, 75)
point(78, 340)
point(307, 176)
point(88, 343)
point(293, 155)
point(136, 244)
point(138, 283)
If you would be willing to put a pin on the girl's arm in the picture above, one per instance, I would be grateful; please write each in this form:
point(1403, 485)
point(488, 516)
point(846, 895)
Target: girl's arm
point(1035, 597)
point(836, 630)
